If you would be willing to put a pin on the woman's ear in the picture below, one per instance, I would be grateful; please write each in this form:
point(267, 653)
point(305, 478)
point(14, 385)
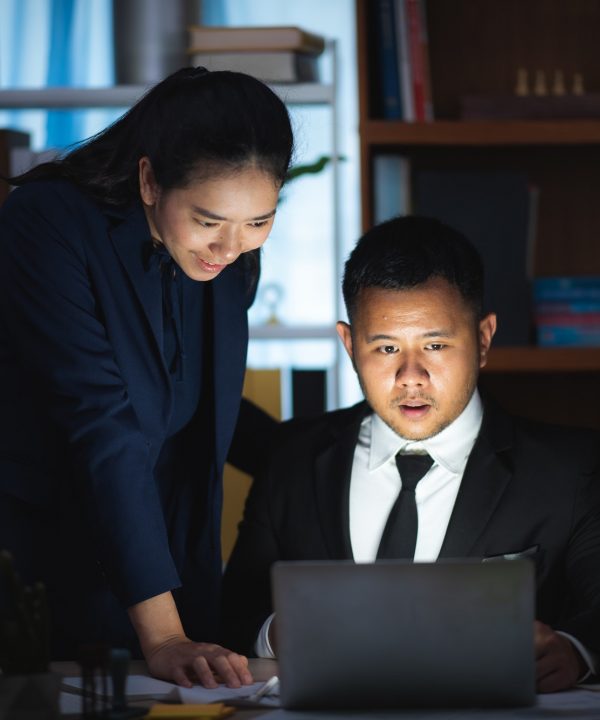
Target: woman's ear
point(148, 184)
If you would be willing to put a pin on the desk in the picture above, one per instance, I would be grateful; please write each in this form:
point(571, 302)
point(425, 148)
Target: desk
point(261, 669)
point(560, 706)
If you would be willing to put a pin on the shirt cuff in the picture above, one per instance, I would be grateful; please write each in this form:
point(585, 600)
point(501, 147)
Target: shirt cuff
point(590, 659)
point(262, 646)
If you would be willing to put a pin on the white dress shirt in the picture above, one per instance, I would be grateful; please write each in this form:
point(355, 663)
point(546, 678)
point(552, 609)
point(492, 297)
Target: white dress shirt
point(375, 484)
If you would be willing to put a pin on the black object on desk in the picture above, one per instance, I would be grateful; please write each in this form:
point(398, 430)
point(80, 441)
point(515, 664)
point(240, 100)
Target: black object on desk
point(96, 662)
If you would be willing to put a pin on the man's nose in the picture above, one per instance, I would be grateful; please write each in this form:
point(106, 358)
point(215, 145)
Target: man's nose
point(411, 370)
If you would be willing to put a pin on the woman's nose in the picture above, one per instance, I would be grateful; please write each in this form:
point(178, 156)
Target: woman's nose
point(227, 247)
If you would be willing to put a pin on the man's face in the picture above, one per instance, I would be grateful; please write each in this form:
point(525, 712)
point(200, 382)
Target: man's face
point(417, 354)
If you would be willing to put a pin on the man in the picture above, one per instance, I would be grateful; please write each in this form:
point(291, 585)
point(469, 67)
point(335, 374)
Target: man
point(497, 486)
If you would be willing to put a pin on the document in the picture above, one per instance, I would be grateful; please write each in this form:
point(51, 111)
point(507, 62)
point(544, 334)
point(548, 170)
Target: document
point(142, 687)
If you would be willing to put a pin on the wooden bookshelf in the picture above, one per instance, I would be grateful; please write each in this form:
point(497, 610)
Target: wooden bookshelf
point(543, 360)
point(475, 48)
point(482, 133)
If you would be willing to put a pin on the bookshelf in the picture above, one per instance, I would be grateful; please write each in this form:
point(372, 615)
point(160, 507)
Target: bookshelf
point(126, 95)
point(475, 48)
point(305, 94)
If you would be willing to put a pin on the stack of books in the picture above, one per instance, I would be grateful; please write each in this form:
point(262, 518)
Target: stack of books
point(273, 54)
point(567, 311)
point(400, 36)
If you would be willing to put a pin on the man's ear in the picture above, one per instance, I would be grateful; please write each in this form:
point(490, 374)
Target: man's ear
point(148, 184)
point(345, 332)
point(487, 330)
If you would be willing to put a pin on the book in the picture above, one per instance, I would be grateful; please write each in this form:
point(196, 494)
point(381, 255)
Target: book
point(204, 38)
point(309, 392)
point(391, 186)
point(492, 210)
point(14, 157)
point(568, 336)
point(567, 307)
point(403, 59)
point(567, 288)
point(389, 101)
point(568, 319)
point(419, 59)
point(271, 66)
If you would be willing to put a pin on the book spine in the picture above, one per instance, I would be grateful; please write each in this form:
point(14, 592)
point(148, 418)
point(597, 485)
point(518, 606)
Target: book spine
point(391, 183)
point(577, 307)
point(404, 65)
point(561, 336)
point(582, 320)
point(417, 59)
point(391, 102)
point(424, 45)
point(567, 289)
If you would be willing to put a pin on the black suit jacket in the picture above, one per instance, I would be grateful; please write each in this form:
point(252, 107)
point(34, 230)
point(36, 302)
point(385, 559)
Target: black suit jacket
point(527, 489)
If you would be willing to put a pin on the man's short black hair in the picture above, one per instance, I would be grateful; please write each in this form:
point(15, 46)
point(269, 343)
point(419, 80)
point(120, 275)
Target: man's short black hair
point(407, 251)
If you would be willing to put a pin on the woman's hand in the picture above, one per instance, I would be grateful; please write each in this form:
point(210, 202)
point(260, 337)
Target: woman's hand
point(184, 662)
point(174, 657)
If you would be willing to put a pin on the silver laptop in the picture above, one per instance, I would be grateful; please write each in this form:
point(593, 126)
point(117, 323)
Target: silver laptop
point(396, 634)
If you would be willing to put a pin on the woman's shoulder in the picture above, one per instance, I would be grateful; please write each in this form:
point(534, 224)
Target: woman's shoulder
point(53, 206)
point(52, 194)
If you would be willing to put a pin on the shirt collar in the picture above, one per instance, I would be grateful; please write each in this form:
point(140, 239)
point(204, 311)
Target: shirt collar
point(450, 448)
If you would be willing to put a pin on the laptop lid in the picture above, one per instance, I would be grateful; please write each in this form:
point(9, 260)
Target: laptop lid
point(402, 634)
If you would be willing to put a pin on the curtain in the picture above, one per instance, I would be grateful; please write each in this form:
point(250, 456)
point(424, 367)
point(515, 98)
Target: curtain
point(51, 43)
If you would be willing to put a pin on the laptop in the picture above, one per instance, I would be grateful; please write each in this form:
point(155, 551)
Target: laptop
point(395, 634)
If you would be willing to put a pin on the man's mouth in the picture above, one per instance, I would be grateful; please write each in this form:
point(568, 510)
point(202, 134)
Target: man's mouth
point(414, 410)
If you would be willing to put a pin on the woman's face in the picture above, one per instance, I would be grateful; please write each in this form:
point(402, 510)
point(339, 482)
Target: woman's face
point(210, 223)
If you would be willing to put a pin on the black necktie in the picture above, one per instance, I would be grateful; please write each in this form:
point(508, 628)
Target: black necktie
point(400, 534)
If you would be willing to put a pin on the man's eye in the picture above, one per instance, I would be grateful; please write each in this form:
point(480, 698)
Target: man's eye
point(206, 223)
point(388, 349)
point(436, 346)
point(258, 223)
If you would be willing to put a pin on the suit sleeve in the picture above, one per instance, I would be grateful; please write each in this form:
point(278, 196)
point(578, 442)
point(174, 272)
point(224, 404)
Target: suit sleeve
point(253, 438)
point(246, 584)
point(582, 619)
point(54, 327)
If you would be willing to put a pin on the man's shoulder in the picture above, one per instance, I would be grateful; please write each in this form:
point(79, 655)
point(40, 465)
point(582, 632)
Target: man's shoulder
point(551, 440)
point(321, 430)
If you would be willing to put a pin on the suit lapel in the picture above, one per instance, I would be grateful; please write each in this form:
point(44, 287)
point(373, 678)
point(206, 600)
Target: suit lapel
point(484, 481)
point(333, 469)
point(129, 238)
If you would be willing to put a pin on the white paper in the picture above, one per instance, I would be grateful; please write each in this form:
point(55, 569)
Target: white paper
point(142, 687)
point(138, 687)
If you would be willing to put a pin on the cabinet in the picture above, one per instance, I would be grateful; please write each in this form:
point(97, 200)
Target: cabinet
point(476, 48)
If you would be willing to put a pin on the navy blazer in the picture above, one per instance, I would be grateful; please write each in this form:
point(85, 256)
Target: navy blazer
point(528, 489)
point(86, 396)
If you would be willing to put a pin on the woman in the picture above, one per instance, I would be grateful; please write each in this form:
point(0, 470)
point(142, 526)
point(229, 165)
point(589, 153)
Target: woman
point(127, 268)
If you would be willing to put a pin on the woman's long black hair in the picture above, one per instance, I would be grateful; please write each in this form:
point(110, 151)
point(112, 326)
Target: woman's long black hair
point(193, 125)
